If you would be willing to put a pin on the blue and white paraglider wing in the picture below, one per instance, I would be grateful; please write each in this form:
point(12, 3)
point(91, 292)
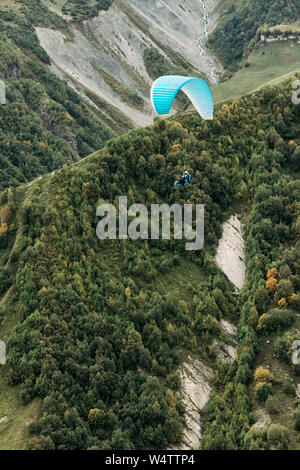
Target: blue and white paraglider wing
point(165, 89)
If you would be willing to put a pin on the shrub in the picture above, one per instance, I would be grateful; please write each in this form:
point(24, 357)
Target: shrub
point(173, 381)
point(296, 303)
point(243, 374)
point(295, 158)
point(275, 319)
point(285, 290)
point(272, 404)
point(253, 317)
point(5, 280)
point(289, 387)
point(263, 391)
point(285, 272)
point(296, 418)
point(261, 300)
point(278, 435)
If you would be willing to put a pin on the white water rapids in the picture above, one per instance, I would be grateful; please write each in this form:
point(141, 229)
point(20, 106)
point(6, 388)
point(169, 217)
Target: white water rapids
point(200, 43)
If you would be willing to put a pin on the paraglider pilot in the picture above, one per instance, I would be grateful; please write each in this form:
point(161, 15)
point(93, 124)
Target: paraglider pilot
point(185, 179)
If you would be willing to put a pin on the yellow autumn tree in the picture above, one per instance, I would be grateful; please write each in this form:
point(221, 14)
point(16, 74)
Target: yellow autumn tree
point(273, 273)
point(261, 321)
point(292, 298)
point(176, 148)
point(128, 292)
point(282, 303)
point(262, 375)
point(272, 285)
point(3, 229)
point(292, 146)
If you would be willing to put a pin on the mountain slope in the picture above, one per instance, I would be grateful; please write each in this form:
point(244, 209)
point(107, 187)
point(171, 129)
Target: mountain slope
point(106, 331)
point(44, 123)
point(268, 64)
point(74, 82)
point(95, 82)
point(133, 42)
point(235, 33)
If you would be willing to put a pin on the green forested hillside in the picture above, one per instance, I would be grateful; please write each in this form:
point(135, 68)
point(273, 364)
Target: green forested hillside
point(44, 124)
point(235, 33)
point(95, 333)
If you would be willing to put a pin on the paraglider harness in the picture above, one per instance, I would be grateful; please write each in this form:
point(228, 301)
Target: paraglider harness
point(184, 180)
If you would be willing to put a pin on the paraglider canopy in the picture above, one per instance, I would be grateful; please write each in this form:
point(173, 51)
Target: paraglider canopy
point(165, 89)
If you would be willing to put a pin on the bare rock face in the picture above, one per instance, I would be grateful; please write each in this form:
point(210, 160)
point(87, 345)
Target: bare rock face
point(177, 24)
point(230, 253)
point(74, 62)
point(196, 381)
point(116, 41)
point(2, 92)
point(227, 351)
point(2, 353)
point(262, 419)
point(228, 328)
